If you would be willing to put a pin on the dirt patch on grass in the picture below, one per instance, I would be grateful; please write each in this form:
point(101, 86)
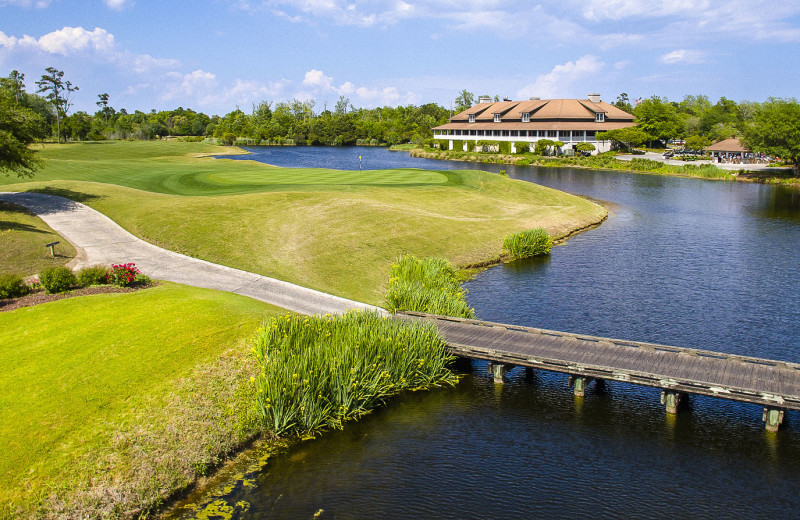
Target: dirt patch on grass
point(42, 297)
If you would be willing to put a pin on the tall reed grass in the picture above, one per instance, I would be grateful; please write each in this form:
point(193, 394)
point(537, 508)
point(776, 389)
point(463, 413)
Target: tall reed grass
point(426, 285)
point(534, 242)
point(317, 372)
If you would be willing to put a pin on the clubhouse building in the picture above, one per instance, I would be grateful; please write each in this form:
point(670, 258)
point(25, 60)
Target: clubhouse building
point(570, 121)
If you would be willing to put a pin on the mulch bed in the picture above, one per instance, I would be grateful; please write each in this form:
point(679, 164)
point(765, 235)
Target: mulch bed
point(42, 297)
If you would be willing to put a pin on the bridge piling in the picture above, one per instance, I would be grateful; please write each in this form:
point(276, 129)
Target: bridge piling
point(678, 371)
point(498, 370)
point(672, 400)
point(579, 383)
point(773, 418)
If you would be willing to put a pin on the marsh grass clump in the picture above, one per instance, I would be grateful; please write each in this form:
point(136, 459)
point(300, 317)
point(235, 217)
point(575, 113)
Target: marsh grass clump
point(426, 285)
point(534, 242)
point(317, 372)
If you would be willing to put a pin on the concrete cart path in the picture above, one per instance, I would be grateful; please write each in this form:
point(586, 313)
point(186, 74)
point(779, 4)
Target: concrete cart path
point(100, 240)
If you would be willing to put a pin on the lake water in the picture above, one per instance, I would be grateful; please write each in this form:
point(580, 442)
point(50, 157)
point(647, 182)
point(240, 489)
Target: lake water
point(685, 262)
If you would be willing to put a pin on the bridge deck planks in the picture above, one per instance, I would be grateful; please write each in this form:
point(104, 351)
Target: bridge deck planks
point(772, 383)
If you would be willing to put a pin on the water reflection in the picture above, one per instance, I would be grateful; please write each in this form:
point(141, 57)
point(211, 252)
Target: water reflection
point(680, 261)
point(779, 202)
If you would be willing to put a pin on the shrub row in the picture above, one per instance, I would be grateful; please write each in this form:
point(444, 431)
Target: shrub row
point(426, 285)
point(60, 279)
point(317, 372)
point(529, 243)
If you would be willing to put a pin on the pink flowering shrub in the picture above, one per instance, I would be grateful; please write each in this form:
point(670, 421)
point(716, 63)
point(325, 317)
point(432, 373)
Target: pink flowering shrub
point(123, 275)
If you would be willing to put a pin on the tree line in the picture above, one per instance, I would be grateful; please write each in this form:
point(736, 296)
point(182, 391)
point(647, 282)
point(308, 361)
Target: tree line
point(770, 127)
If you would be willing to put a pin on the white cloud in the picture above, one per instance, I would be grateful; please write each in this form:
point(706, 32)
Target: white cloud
point(66, 41)
point(77, 42)
point(320, 85)
point(117, 5)
point(557, 82)
point(38, 4)
point(509, 19)
point(202, 89)
point(316, 78)
point(683, 56)
point(597, 10)
point(196, 84)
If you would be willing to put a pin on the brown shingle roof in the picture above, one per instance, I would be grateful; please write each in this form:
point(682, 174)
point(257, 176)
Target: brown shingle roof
point(728, 145)
point(475, 109)
point(496, 108)
point(544, 109)
point(538, 125)
point(526, 106)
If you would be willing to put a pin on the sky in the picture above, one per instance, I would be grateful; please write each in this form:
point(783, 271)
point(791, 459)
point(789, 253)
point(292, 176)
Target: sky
point(216, 55)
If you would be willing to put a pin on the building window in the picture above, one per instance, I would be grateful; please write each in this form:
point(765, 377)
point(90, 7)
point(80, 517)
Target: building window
point(599, 117)
point(552, 133)
point(472, 118)
point(526, 117)
point(497, 118)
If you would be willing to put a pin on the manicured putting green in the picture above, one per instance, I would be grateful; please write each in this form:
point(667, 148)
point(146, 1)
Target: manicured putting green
point(180, 169)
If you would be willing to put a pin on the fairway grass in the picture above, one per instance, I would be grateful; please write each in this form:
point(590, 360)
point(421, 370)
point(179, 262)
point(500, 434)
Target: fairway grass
point(329, 230)
point(75, 373)
point(22, 242)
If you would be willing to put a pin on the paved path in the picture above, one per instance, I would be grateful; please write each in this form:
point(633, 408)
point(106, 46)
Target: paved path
point(99, 240)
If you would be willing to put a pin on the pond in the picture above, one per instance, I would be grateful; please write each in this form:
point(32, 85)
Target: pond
point(685, 262)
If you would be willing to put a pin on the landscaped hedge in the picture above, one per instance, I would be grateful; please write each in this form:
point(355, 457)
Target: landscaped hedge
point(57, 279)
point(12, 286)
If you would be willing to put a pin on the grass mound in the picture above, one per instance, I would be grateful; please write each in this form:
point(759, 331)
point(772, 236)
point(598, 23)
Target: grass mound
point(426, 285)
point(305, 226)
point(317, 372)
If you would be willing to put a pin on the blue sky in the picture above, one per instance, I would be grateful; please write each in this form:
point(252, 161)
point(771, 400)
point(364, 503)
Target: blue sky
point(216, 55)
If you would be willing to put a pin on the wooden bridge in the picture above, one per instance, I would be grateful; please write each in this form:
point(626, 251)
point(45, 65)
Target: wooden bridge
point(775, 385)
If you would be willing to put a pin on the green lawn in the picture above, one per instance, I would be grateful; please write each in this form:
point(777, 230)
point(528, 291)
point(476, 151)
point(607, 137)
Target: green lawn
point(71, 369)
point(330, 230)
point(22, 242)
point(132, 389)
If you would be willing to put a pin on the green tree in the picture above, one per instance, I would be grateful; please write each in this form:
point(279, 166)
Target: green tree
point(658, 119)
point(542, 146)
point(19, 127)
point(58, 93)
point(624, 137)
point(697, 142)
point(78, 125)
point(464, 100)
point(15, 85)
point(775, 130)
point(623, 103)
point(103, 105)
point(341, 105)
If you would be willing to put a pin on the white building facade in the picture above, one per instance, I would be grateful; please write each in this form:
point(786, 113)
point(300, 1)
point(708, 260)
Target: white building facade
point(570, 121)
